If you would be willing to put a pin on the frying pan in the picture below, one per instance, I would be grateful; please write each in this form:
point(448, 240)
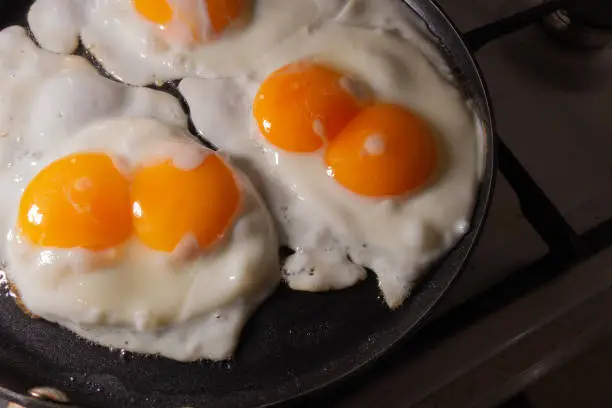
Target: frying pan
point(297, 343)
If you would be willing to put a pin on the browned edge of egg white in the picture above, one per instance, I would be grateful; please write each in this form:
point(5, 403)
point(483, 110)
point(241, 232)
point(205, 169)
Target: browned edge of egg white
point(14, 292)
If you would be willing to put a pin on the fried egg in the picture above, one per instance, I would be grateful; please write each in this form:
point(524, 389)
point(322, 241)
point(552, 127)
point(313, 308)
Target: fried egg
point(368, 155)
point(146, 41)
point(117, 224)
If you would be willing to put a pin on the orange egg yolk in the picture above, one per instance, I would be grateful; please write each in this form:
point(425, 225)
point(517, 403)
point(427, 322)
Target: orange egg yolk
point(156, 11)
point(220, 14)
point(303, 105)
point(81, 200)
point(170, 204)
point(224, 13)
point(386, 150)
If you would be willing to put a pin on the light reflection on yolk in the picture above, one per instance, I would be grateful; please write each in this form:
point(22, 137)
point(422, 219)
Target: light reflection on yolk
point(169, 203)
point(81, 200)
point(203, 19)
point(302, 105)
point(386, 150)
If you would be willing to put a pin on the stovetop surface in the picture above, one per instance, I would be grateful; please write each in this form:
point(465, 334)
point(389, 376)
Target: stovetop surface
point(551, 104)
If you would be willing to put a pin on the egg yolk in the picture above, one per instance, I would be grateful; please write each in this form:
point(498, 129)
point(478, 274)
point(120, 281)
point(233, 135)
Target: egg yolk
point(81, 200)
point(303, 105)
point(224, 13)
point(220, 14)
point(385, 151)
point(156, 11)
point(170, 204)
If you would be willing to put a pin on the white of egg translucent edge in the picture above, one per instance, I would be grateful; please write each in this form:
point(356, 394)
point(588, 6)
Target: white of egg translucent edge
point(395, 282)
point(29, 77)
point(133, 50)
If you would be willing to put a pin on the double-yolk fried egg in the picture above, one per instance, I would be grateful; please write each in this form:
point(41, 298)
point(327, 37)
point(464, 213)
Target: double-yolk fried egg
point(145, 41)
point(368, 155)
point(118, 225)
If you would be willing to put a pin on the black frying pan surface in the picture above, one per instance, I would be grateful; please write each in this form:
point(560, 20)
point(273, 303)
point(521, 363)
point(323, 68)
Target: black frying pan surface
point(295, 344)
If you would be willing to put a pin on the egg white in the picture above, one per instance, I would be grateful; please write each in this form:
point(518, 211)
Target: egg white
point(135, 51)
point(130, 297)
point(325, 223)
